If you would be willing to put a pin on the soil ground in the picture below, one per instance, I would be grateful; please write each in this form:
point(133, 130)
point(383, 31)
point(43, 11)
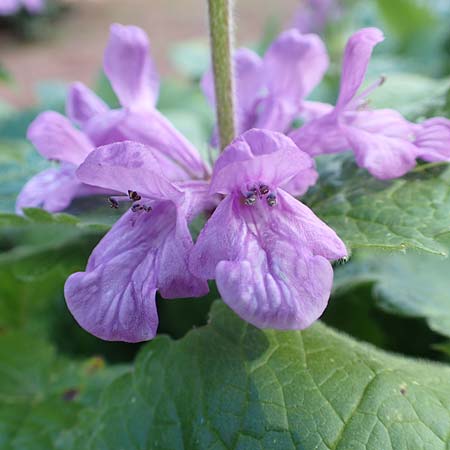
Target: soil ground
point(73, 50)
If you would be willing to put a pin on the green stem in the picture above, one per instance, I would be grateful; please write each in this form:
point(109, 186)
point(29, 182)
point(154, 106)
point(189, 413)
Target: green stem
point(220, 12)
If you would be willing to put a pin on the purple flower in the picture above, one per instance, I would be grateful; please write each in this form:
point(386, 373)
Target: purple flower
point(313, 15)
point(53, 189)
point(133, 77)
point(130, 69)
point(383, 141)
point(10, 7)
point(145, 251)
point(268, 253)
point(270, 91)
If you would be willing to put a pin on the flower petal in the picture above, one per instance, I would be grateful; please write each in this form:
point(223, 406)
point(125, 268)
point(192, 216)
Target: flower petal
point(82, 104)
point(258, 155)
point(129, 67)
point(115, 298)
point(56, 138)
point(153, 129)
point(294, 64)
point(270, 264)
point(356, 59)
point(249, 83)
point(321, 135)
point(383, 156)
point(127, 166)
point(433, 139)
point(52, 189)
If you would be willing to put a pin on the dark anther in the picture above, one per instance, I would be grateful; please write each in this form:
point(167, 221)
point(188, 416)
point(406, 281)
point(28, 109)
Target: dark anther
point(134, 196)
point(250, 199)
point(137, 207)
point(271, 199)
point(263, 189)
point(113, 202)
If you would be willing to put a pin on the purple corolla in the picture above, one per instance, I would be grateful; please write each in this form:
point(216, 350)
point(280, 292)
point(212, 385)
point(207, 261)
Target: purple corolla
point(131, 72)
point(145, 251)
point(271, 91)
point(268, 253)
point(383, 141)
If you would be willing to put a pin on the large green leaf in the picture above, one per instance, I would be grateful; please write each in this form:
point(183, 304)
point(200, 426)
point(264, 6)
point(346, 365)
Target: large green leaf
point(42, 394)
point(231, 386)
point(409, 284)
point(411, 212)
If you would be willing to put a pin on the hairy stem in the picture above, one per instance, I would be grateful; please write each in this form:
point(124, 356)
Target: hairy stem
point(221, 30)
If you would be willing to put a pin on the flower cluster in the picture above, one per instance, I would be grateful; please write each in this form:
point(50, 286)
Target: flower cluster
point(268, 253)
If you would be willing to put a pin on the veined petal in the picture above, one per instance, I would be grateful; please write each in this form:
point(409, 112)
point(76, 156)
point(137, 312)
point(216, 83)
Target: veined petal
point(53, 190)
point(82, 104)
point(385, 121)
point(56, 138)
point(298, 185)
point(153, 129)
point(115, 298)
point(294, 64)
point(258, 155)
point(356, 59)
point(125, 166)
point(321, 135)
point(383, 156)
point(270, 264)
point(313, 110)
point(129, 67)
point(433, 139)
point(276, 114)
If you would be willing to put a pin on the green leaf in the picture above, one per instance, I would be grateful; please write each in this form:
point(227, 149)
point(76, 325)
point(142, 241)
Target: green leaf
point(18, 163)
point(410, 212)
point(42, 394)
point(406, 17)
point(230, 385)
point(411, 285)
point(414, 96)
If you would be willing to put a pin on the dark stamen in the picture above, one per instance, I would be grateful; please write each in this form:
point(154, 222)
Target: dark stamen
point(263, 189)
point(113, 202)
point(134, 196)
point(271, 199)
point(250, 199)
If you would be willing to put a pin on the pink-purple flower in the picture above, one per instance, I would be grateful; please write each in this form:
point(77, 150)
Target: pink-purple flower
point(268, 253)
point(145, 251)
point(130, 69)
point(383, 141)
point(271, 91)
